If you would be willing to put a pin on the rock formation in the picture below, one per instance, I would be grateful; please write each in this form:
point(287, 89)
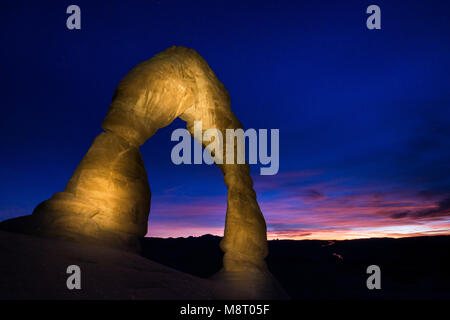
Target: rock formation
point(107, 199)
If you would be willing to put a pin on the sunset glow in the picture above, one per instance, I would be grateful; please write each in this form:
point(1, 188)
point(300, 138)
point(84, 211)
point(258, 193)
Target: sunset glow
point(305, 207)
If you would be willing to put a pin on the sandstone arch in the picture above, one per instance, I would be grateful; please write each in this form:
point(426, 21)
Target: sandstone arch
point(108, 197)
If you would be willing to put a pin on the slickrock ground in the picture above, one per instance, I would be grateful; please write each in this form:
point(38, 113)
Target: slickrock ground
point(35, 268)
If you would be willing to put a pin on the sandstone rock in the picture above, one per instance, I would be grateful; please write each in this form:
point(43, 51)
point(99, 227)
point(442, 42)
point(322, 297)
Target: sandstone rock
point(107, 200)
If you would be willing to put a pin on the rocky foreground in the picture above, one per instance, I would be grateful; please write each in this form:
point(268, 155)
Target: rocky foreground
point(35, 268)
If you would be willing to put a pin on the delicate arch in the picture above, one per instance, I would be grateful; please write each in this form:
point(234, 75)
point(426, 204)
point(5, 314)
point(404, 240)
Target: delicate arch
point(108, 197)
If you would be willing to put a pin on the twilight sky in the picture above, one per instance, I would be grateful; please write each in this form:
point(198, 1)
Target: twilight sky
point(364, 116)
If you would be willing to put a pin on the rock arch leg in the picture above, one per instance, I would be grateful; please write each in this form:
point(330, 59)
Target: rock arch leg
point(244, 272)
point(107, 199)
point(244, 242)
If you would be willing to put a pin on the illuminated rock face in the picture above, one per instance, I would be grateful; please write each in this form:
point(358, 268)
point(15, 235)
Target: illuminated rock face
point(108, 197)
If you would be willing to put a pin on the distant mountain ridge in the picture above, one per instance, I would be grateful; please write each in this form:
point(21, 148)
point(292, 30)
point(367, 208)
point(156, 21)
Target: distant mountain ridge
point(411, 268)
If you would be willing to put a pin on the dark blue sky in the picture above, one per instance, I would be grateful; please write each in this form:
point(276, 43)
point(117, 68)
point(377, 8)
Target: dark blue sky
point(363, 114)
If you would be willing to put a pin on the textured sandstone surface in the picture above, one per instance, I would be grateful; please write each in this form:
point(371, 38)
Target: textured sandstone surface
point(35, 268)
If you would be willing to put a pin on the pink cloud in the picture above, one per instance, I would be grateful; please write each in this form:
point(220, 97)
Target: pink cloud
point(299, 205)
